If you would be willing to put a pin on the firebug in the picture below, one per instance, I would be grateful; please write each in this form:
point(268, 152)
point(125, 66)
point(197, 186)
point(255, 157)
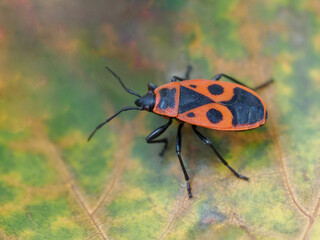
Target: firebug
point(213, 104)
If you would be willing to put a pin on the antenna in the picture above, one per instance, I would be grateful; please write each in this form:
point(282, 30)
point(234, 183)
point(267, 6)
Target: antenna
point(110, 118)
point(119, 79)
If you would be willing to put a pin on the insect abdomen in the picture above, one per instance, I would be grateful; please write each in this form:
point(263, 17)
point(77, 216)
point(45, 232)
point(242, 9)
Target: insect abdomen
point(245, 107)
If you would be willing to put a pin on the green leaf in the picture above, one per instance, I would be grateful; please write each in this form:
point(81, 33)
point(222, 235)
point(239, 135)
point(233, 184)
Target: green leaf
point(54, 91)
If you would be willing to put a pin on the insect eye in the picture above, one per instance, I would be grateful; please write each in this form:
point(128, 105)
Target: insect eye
point(147, 107)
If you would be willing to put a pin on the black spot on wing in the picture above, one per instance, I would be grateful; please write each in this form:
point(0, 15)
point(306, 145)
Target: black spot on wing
point(214, 116)
point(215, 89)
point(190, 99)
point(245, 107)
point(167, 98)
point(193, 86)
point(191, 114)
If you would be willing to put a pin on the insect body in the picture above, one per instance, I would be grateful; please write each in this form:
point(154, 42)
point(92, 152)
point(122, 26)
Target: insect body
point(228, 106)
point(211, 104)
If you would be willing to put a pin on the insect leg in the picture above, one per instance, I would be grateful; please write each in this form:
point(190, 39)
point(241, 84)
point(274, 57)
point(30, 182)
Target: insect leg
point(176, 79)
point(189, 69)
point(187, 75)
point(218, 76)
point(178, 149)
point(263, 85)
point(151, 87)
point(208, 142)
point(156, 133)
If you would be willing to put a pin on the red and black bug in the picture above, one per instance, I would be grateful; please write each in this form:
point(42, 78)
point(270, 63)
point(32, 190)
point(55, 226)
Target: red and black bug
point(227, 106)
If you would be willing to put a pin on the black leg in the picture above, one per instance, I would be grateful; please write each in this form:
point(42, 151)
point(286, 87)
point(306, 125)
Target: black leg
point(187, 75)
point(208, 142)
point(178, 149)
point(218, 76)
point(189, 69)
point(176, 79)
point(151, 87)
point(263, 85)
point(156, 133)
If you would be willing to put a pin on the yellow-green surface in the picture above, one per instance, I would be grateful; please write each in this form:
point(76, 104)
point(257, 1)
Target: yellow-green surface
point(54, 90)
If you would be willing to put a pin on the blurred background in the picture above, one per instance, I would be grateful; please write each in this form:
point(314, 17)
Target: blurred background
point(54, 90)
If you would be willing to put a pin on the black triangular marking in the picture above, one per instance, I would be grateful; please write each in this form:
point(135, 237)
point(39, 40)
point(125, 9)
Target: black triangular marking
point(190, 99)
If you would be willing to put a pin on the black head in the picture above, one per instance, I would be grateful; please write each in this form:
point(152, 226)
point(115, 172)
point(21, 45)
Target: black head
point(146, 102)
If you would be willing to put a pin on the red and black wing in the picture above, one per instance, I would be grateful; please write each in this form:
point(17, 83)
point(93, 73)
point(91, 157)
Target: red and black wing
point(220, 105)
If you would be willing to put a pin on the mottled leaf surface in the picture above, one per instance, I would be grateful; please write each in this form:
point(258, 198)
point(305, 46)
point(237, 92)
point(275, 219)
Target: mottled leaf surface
point(54, 90)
